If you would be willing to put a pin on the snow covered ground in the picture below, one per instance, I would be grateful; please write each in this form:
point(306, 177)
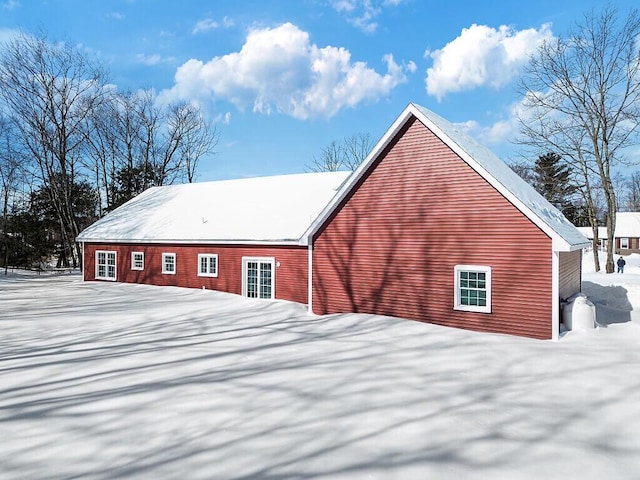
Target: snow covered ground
point(104, 380)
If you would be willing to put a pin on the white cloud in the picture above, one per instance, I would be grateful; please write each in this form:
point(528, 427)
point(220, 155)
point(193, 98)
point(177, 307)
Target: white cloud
point(500, 132)
point(280, 70)
point(411, 66)
point(208, 24)
point(10, 5)
point(362, 14)
point(503, 131)
point(154, 59)
point(481, 56)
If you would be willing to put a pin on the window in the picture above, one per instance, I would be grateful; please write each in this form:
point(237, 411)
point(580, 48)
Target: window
point(624, 242)
point(472, 288)
point(169, 263)
point(105, 265)
point(137, 260)
point(207, 265)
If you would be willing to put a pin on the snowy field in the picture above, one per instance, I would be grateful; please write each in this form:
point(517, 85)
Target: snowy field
point(103, 380)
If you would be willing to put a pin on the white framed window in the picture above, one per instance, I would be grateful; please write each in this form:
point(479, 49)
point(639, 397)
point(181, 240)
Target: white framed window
point(137, 260)
point(624, 242)
point(169, 263)
point(472, 288)
point(207, 265)
point(105, 265)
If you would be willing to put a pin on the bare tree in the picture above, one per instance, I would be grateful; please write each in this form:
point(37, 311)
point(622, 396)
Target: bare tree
point(356, 148)
point(187, 138)
point(582, 100)
point(345, 154)
point(200, 138)
point(50, 91)
point(10, 176)
point(330, 159)
point(632, 199)
point(135, 143)
point(105, 152)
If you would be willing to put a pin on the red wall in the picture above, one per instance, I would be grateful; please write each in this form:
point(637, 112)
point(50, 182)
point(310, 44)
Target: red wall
point(392, 246)
point(569, 273)
point(290, 279)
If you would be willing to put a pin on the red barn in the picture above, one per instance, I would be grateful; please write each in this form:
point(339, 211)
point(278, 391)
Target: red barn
point(432, 226)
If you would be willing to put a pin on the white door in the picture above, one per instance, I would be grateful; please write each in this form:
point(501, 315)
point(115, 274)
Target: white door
point(258, 277)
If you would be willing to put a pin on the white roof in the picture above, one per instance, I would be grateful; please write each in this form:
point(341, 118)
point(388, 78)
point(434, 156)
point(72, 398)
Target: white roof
point(588, 232)
point(628, 224)
point(264, 209)
point(549, 219)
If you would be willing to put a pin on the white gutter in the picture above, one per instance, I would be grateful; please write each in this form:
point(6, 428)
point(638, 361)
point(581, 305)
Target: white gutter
point(555, 295)
point(310, 279)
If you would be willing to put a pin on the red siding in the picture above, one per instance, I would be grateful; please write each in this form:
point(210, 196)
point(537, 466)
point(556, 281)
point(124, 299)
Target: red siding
point(290, 279)
point(634, 246)
point(570, 273)
point(392, 246)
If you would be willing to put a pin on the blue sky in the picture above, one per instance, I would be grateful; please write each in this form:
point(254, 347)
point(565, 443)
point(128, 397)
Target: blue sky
point(283, 78)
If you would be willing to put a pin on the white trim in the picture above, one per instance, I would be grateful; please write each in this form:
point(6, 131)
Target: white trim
point(133, 262)
point(175, 263)
point(84, 271)
point(270, 260)
point(189, 241)
point(310, 279)
point(457, 305)
point(115, 265)
point(208, 256)
point(555, 295)
point(626, 241)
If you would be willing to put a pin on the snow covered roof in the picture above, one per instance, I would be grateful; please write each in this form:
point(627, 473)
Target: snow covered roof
point(263, 209)
point(588, 232)
point(628, 224)
point(548, 218)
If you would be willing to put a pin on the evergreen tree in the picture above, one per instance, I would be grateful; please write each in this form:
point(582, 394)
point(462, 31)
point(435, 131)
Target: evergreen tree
point(553, 180)
point(132, 181)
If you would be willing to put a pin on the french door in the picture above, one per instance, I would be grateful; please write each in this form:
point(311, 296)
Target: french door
point(258, 277)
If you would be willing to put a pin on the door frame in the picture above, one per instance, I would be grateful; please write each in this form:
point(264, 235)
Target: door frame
point(259, 260)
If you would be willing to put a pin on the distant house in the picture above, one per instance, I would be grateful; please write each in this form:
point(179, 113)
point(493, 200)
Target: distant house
point(602, 236)
point(432, 226)
point(627, 236)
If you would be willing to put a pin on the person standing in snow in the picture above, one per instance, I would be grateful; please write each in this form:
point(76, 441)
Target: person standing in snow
point(621, 264)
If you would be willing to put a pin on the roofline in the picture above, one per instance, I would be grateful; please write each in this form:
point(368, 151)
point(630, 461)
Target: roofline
point(355, 177)
point(558, 243)
point(190, 241)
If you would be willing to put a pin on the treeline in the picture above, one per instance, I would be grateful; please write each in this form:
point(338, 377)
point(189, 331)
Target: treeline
point(73, 147)
point(557, 180)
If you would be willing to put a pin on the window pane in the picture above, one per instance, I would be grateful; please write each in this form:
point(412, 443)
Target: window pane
point(252, 279)
point(265, 280)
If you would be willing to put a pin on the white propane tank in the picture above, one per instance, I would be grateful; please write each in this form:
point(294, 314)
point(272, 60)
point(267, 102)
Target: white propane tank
point(579, 314)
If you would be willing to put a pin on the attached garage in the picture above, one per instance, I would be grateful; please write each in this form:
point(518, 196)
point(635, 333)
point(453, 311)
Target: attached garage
point(434, 227)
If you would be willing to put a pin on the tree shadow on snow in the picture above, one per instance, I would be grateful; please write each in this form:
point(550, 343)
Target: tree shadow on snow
point(222, 388)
